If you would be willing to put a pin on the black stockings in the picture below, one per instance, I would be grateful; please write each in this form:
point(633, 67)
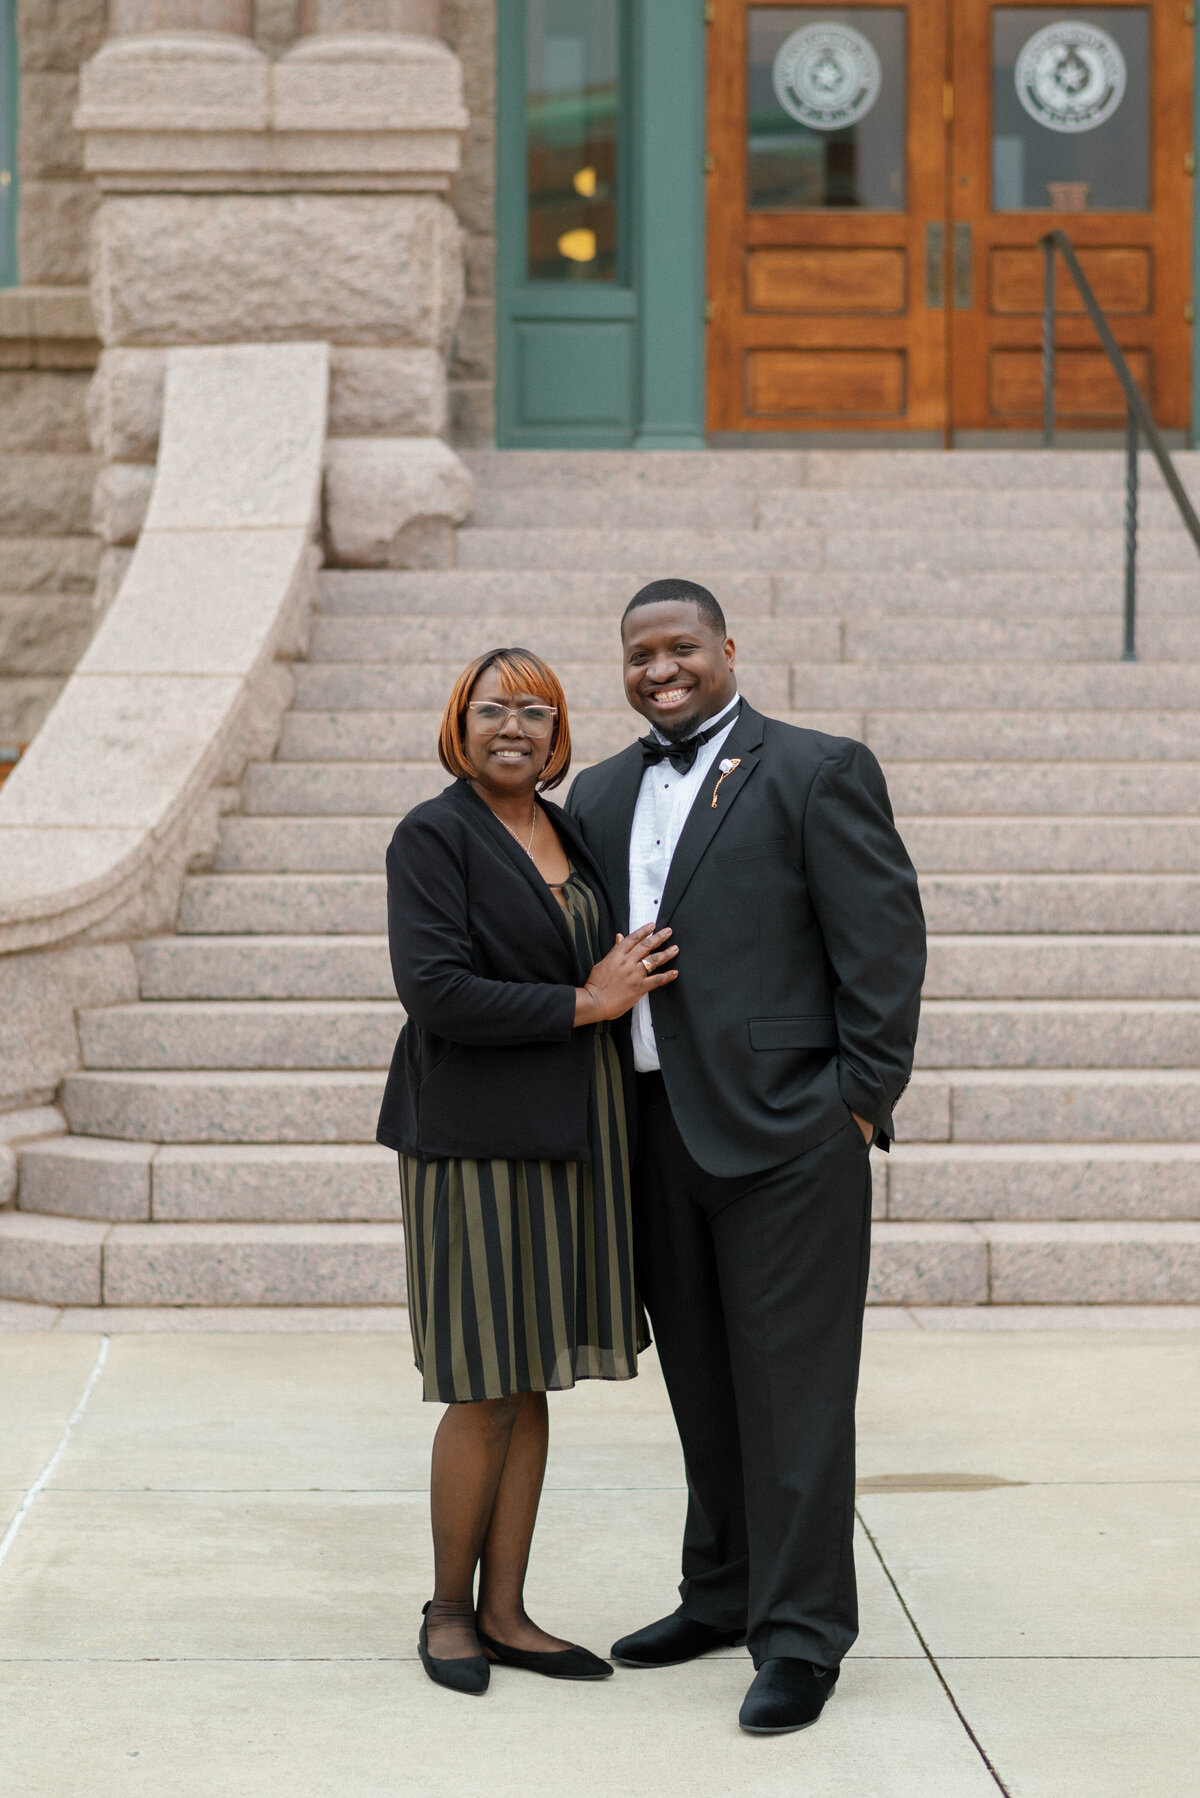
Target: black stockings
point(489, 1459)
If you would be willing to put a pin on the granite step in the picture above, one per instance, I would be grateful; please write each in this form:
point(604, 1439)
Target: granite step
point(1063, 967)
point(404, 736)
point(792, 687)
point(1036, 1263)
point(261, 845)
point(108, 1180)
point(646, 553)
point(625, 501)
point(1074, 903)
point(70, 1261)
point(286, 904)
point(140, 1182)
point(964, 1105)
point(1137, 736)
point(266, 1034)
point(918, 788)
point(955, 686)
point(913, 470)
point(258, 967)
point(387, 686)
point(1109, 735)
point(360, 1034)
point(503, 592)
point(749, 595)
point(982, 788)
point(568, 642)
point(356, 904)
point(225, 1106)
point(1057, 1033)
point(1023, 1181)
point(863, 637)
point(335, 789)
point(301, 845)
point(1030, 1105)
point(1048, 845)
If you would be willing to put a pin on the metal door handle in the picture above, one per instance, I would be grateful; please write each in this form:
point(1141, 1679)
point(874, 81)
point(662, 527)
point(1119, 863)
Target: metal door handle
point(935, 265)
point(964, 283)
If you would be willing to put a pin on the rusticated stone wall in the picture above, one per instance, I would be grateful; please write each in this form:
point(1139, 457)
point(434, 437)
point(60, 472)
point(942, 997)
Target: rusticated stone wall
point(48, 554)
point(469, 27)
point(54, 37)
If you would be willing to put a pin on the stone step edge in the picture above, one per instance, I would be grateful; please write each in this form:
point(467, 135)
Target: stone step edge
point(111, 1181)
point(60, 1261)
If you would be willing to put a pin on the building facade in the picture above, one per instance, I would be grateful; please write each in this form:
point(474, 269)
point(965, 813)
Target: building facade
point(735, 220)
point(678, 224)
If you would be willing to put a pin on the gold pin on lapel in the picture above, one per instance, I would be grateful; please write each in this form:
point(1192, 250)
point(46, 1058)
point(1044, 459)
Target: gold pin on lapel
point(727, 767)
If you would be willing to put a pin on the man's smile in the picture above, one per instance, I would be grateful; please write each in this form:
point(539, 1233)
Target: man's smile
point(667, 697)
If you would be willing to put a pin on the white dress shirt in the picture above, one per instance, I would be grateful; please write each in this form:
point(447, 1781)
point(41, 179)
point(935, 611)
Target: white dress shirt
point(664, 801)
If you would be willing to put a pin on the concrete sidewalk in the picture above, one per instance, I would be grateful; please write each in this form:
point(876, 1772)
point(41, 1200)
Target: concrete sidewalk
point(215, 1592)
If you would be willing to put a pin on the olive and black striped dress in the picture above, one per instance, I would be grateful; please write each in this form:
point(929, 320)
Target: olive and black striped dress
point(520, 1273)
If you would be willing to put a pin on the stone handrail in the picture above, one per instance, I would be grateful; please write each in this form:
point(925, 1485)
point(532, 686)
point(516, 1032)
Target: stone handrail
point(182, 682)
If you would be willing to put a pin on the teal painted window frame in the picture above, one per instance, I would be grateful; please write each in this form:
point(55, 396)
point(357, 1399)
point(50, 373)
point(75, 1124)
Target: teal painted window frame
point(9, 94)
point(1194, 428)
point(660, 298)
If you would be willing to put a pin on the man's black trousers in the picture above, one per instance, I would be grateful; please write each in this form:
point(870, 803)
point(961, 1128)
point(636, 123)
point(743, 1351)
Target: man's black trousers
point(755, 1288)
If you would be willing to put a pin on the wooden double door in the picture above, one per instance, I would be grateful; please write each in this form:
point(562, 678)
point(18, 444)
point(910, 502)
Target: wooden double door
point(879, 177)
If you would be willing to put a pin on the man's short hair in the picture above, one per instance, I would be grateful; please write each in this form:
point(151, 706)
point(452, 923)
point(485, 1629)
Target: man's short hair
point(685, 592)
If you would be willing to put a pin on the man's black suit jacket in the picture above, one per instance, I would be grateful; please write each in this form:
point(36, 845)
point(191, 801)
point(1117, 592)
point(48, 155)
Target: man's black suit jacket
point(801, 942)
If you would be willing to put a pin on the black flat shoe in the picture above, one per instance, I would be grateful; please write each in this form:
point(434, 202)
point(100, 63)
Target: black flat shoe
point(559, 1663)
point(786, 1695)
point(673, 1640)
point(470, 1674)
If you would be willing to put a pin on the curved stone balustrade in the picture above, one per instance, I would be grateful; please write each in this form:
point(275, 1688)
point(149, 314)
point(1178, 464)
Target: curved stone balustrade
point(182, 682)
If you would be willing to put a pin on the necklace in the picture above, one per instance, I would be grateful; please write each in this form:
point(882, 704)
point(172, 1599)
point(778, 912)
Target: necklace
point(527, 847)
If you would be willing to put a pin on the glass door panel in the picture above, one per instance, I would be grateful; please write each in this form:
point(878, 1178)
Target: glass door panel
point(827, 192)
point(573, 56)
point(825, 113)
point(1070, 110)
point(1076, 117)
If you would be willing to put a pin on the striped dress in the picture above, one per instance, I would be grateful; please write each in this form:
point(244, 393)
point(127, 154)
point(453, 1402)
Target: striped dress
point(520, 1273)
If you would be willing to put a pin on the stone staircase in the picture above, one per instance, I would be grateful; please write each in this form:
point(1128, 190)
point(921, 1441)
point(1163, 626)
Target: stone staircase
point(961, 613)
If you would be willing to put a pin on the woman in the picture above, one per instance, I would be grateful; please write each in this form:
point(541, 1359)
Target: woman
point(506, 1102)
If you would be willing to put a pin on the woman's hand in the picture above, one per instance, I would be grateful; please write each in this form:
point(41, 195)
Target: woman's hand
point(629, 970)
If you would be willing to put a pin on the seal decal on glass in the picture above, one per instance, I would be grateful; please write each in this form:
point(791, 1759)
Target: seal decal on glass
point(827, 75)
point(1070, 76)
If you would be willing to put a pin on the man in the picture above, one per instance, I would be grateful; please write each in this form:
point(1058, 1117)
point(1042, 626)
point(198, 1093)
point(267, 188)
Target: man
point(765, 1072)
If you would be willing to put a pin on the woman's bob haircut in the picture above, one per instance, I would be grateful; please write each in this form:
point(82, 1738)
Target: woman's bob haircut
point(520, 672)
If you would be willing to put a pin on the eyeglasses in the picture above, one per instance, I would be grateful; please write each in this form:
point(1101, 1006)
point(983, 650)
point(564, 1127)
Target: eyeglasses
point(491, 716)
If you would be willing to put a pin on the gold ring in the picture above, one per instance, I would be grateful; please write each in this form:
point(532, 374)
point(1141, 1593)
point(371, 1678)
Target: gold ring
point(647, 964)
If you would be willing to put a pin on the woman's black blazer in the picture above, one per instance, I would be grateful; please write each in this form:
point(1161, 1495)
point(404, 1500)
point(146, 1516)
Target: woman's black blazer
point(489, 1063)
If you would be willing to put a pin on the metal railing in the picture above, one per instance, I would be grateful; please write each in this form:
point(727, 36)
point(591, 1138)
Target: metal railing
point(1138, 421)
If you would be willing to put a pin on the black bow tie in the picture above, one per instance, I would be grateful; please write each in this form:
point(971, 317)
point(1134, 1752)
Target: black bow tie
point(682, 756)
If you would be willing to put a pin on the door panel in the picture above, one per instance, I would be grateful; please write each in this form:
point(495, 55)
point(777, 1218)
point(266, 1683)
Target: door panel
point(879, 269)
point(1076, 117)
point(827, 163)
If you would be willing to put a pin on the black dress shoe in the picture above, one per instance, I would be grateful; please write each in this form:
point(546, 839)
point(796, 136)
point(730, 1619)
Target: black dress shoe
point(786, 1695)
point(469, 1674)
point(558, 1663)
point(673, 1640)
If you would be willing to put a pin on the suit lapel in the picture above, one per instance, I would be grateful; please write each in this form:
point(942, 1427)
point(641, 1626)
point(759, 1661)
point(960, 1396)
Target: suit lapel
point(705, 819)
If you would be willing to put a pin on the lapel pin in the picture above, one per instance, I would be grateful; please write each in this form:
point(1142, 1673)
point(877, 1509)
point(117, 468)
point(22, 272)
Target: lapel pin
point(727, 767)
